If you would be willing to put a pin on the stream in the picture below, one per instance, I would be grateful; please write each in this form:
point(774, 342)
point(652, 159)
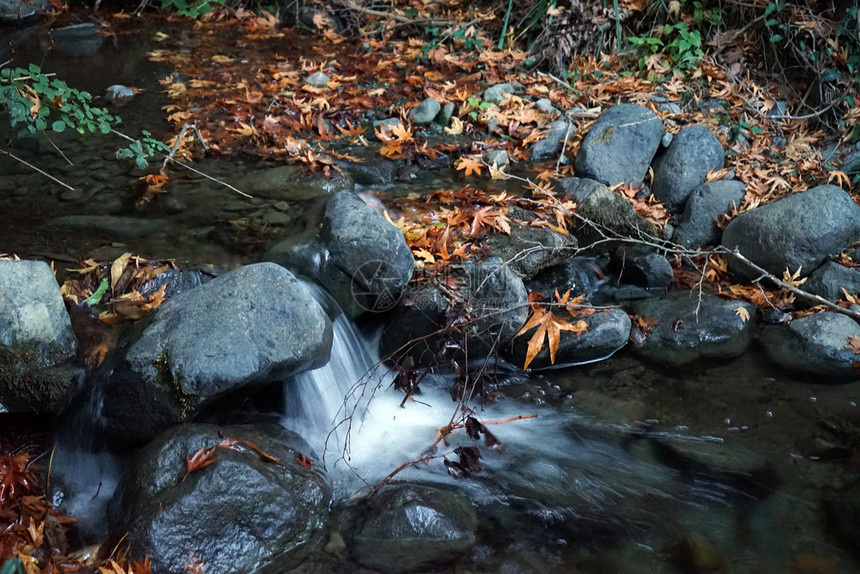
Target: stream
point(732, 467)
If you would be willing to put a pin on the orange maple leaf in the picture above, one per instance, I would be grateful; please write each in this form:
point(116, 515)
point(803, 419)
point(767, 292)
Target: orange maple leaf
point(549, 328)
point(471, 164)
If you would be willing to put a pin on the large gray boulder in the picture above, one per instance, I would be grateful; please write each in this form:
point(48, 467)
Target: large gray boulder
point(253, 325)
point(800, 230)
point(620, 145)
point(692, 328)
point(697, 226)
point(685, 163)
point(412, 527)
point(366, 263)
point(263, 502)
point(37, 344)
point(815, 345)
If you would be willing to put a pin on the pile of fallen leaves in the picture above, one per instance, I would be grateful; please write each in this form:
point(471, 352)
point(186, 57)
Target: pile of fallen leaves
point(118, 285)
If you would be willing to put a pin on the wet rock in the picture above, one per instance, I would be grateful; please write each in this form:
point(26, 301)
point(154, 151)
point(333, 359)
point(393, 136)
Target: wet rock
point(611, 211)
point(552, 144)
point(292, 183)
point(499, 157)
point(253, 325)
point(238, 515)
point(641, 266)
point(697, 226)
point(495, 94)
point(369, 171)
point(115, 226)
point(580, 275)
point(78, 40)
point(800, 230)
point(37, 344)
point(608, 331)
point(691, 330)
point(683, 166)
point(445, 114)
point(814, 345)
point(177, 282)
point(425, 112)
point(17, 10)
point(830, 279)
point(367, 264)
point(620, 145)
point(545, 105)
point(498, 301)
point(529, 250)
point(579, 187)
point(318, 80)
point(408, 527)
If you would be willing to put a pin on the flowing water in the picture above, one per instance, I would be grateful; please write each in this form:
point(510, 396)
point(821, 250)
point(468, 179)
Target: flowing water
point(626, 468)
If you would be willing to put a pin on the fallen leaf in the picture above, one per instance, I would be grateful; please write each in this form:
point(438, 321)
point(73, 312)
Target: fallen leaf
point(201, 459)
point(742, 312)
point(853, 344)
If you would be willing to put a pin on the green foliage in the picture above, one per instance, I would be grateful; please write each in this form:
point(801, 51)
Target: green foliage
point(142, 149)
point(38, 102)
point(462, 39)
point(479, 105)
point(30, 97)
point(193, 9)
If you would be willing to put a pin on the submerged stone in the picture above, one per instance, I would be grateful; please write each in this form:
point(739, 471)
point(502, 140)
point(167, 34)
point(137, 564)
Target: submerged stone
point(407, 527)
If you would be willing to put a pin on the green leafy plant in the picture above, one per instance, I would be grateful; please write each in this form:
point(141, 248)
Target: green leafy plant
point(36, 101)
point(193, 9)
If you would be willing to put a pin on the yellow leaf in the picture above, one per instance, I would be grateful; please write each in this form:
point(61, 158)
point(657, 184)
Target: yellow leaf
point(793, 278)
point(117, 268)
point(456, 127)
point(498, 172)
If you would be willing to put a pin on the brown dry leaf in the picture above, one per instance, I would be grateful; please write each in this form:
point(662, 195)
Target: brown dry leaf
point(742, 312)
point(201, 459)
point(853, 344)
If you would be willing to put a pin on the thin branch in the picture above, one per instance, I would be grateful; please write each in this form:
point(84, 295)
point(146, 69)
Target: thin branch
point(33, 167)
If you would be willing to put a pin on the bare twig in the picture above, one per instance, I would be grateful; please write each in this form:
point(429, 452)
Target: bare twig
point(34, 168)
